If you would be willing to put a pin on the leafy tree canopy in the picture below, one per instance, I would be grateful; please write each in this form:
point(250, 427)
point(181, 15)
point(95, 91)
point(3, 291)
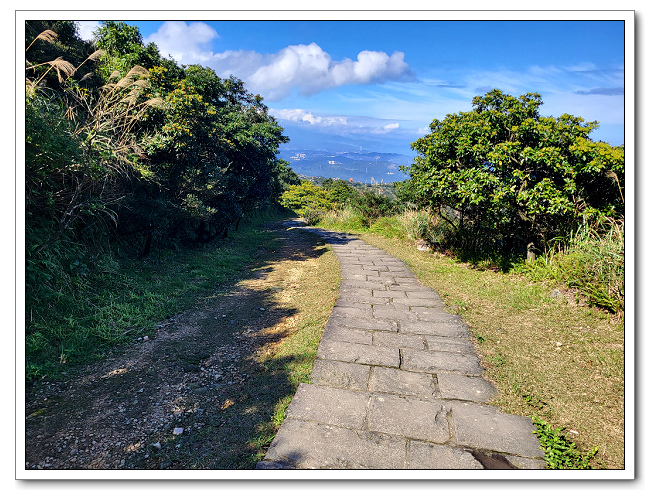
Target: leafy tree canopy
point(512, 176)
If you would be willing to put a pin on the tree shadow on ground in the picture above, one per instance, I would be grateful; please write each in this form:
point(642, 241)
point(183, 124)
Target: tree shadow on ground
point(197, 395)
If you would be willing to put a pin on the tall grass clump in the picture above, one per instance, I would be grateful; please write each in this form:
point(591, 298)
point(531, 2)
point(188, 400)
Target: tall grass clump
point(345, 219)
point(591, 260)
point(422, 225)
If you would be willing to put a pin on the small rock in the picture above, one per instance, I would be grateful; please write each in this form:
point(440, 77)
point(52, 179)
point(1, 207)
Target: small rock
point(146, 337)
point(558, 344)
point(556, 294)
point(422, 245)
point(262, 309)
point(178, 431)
point(157, 445)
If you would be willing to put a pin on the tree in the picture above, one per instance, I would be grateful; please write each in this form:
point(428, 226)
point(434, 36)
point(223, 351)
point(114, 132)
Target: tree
point(506, 177)
point(305, 196)
point(123, 48)
point(340, 192)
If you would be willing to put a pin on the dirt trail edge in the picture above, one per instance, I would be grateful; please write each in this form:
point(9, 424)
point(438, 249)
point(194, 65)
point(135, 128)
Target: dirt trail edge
point(396, 383)
point(200, 393)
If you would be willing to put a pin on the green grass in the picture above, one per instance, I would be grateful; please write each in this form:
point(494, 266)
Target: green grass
point(123, 299)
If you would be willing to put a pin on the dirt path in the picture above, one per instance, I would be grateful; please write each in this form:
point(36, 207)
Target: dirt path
point(197, 394)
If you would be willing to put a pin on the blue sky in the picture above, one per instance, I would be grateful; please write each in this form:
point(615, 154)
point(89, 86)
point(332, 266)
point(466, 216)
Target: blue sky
point(378, 84)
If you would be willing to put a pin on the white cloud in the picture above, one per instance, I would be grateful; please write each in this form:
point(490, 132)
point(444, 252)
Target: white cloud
point(302, 116)
point(307, 68)
point(86, 28)
point(185, 42)
point(311, 70)
point(390, 126)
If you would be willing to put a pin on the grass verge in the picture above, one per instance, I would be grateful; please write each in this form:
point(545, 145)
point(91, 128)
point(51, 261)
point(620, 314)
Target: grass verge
point(549, 358)
point(313, 295)
point(123, 299)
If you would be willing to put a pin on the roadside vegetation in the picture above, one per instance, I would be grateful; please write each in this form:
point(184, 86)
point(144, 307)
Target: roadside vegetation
point(132, 161)
point(517, 220)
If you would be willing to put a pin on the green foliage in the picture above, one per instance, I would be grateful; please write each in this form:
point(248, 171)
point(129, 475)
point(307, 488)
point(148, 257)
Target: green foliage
point(512, 177)
point(559, 452)
point(305, 196)
point(123, 48)
point(340, 193)
point(422, 224)
point(371, 206)
point(144, 154)
point(591, 259)
point(97, 301)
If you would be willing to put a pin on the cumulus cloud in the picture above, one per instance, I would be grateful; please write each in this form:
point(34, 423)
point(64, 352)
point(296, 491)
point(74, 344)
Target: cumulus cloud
point(307, 68)
point(306, 117)
point(311, 70)
point(385, 129)
point(185, 42)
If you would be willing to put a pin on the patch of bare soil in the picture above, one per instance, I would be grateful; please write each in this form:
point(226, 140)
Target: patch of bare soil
point(194, 395)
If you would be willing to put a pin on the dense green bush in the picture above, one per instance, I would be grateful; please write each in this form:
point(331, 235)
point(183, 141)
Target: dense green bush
point(508, 180)
point(305, 197)
point(128, 154)
point(371, 206)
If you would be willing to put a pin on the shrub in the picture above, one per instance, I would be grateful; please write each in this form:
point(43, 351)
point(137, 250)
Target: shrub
point(371, 206)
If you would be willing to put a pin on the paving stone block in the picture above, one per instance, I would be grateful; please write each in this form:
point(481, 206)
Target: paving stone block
point(434, 456)
point(408, 417)
point(348, 299)
point(450, 344)
point(436, 361)
point(482, 426)
point(401, 269)
point(387, 293)
point(393, 381)
point(398, 340)
point(334, 332)
point(446, 329)
point(341, 375)
point(393, 313)
point(350, 303)
point(309, 445)
point(423, 294)
point(455, 386)
point(329, 405)
point(385, 280)
point(366, 285)
point(399, 287)
point(354, 293)
point(436, 314)
point(413, 302)
point(359, 353)
point(368, 267)
point(344, 311)
point(365, 324)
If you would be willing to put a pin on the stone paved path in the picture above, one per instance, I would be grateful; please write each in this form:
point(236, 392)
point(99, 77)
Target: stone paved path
point(396, 383)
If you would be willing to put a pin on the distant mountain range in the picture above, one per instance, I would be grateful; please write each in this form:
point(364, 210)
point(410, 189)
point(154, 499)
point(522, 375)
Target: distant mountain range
point(360, 166)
